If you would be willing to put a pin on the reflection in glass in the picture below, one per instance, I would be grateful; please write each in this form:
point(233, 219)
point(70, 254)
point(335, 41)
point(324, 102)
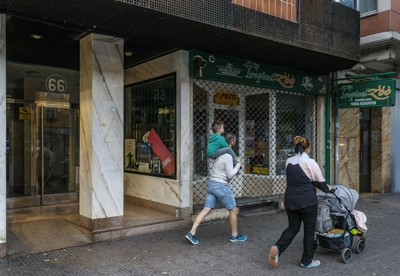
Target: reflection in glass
point(18, 151)
point(56, 155)
point(150, 127)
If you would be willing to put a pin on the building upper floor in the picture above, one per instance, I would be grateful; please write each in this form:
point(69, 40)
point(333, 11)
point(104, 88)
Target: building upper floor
point(379, 32)
point(316, 36)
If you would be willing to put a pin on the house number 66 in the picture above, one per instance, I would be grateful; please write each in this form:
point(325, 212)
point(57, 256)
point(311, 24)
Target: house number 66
point(56, 84)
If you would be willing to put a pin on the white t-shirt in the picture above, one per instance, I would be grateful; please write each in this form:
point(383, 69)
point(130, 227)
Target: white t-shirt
point(223, 170)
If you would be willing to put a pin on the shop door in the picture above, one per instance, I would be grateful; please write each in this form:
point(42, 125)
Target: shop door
point(365, 150)
point(42, 151)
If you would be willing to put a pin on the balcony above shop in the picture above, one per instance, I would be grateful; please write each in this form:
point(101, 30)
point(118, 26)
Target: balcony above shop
point(324, 38)
point(380, 42)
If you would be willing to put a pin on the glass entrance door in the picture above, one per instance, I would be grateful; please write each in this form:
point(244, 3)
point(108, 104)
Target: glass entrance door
point(42, 154)
point(56, 132)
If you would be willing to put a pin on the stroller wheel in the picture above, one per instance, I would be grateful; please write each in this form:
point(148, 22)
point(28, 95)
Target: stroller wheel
point(360, 246)
point(346, 255)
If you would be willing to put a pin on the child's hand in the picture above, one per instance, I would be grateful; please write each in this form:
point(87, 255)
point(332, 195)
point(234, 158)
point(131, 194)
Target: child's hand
point(238, 160)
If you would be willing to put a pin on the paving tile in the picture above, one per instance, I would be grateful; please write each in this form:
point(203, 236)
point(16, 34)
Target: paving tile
point(168, 252)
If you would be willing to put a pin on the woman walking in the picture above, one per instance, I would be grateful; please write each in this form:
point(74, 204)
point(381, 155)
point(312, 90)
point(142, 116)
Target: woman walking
point(303, 176)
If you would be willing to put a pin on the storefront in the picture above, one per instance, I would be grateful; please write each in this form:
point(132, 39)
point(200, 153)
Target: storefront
point(86, 92)
point(367, 123)
point(264, 106)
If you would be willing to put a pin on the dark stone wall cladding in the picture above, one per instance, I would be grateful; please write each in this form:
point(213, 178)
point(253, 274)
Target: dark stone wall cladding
point(329, 27)
point(323, 25)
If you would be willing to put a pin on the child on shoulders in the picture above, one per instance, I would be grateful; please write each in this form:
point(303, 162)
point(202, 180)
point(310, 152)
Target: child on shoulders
point(217, 145)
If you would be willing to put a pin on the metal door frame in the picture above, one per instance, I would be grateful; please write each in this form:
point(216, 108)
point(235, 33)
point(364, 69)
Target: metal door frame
point(36, 199)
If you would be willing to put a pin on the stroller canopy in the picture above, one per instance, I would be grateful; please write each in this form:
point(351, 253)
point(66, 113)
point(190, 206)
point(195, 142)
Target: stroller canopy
point(348, 198)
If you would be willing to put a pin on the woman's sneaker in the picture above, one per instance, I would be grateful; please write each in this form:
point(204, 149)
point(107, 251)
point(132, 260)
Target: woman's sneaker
point(238, 238)
point(191, 238)
point(273, 256)
point(314, 263)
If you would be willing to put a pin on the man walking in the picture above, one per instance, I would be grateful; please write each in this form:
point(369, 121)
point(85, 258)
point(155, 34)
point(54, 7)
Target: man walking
point(222, 172)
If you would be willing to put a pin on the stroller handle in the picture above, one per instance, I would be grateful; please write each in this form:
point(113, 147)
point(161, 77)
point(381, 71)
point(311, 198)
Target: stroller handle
point(332, 191)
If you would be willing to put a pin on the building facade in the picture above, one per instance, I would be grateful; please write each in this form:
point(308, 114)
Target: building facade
point(103, 108)
point(367, 152)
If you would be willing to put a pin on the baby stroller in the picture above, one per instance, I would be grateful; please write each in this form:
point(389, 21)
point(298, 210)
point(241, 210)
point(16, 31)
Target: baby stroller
point(336, 225)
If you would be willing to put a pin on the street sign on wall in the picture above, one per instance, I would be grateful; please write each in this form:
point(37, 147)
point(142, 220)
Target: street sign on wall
point(375, 93)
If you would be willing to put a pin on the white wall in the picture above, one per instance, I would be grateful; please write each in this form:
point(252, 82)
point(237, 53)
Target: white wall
point(383, 5)
point(164, 190)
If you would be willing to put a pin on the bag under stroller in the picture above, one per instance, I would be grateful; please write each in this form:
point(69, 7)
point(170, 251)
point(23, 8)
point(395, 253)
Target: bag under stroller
point(336, 225)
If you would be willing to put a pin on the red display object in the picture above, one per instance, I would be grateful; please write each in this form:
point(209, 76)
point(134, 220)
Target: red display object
point(161, 151)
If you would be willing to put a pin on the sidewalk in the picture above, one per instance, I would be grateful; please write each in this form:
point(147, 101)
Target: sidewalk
point(168, 252)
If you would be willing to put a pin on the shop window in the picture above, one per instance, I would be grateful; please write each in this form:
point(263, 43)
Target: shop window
point(365, 7)
point(150, 127)
point(265, 121)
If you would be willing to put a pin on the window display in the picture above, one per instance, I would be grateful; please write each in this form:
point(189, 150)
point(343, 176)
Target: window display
point(150, 145)
point(265, 121)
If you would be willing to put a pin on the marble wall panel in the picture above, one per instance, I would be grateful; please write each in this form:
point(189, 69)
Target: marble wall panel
point(3, 161)
point(185, 132)
point(154, 68)
point(386, 148)
point(85, 136)
point(164, 190)
point(380, 149)
point(376, 149)
point(348, 162)
point(381, 143)
point(101, 132)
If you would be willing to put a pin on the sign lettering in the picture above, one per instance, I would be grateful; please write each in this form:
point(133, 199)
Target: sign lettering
point(376, 93)
point(226, 98)
point(244, 72)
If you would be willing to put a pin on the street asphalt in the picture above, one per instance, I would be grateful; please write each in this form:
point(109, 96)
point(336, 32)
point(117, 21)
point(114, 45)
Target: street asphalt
point(169, 253)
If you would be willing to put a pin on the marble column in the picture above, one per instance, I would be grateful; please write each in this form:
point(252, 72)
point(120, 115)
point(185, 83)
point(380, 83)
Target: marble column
point(101, 134)
point(381, 144)
point(349, 163)
point(3, 195)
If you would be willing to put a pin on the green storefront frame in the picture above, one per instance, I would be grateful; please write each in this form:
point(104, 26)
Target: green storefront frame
point(220, 68)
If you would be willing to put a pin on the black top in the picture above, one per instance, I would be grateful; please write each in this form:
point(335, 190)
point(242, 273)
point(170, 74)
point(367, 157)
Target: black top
point(300, 189)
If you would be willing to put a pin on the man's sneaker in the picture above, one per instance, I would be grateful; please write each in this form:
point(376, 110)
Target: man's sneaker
point(273, 256)
point(314, 263)
point(192, 239)
point(238, 238)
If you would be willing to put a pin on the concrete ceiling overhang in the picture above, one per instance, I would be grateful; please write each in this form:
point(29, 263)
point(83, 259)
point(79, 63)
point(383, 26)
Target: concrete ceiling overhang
point(380, 52)
point(147, 33)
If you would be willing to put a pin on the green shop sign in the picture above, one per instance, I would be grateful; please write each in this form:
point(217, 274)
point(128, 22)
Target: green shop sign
point(376, 93)
point(238, 71)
